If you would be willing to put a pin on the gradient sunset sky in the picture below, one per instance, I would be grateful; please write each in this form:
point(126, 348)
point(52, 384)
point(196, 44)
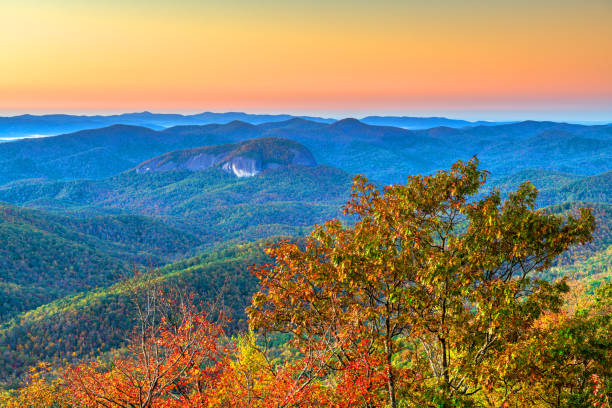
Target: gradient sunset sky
point(491, 59)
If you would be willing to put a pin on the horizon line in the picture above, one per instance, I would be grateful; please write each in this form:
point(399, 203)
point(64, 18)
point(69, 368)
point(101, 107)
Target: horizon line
point(506, 116)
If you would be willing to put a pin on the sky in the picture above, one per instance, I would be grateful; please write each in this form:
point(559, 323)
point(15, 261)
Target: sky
point(496, 60)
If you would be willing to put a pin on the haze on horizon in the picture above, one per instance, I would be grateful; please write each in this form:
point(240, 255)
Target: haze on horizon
point(471, 59)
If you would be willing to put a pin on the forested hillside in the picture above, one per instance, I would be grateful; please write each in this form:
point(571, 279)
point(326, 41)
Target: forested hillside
point(86, 235)
point(213, 204)
point(81, 212)
point(97, 321)
point(46, 256)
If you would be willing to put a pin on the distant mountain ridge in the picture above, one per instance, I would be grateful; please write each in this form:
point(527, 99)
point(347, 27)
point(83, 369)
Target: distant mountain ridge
point(384, 153)
point(55, 124)
point(411, 122)
point(13, 127)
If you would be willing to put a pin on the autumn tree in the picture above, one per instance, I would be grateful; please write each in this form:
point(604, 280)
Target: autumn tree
point(172, 360)
point(433, 282)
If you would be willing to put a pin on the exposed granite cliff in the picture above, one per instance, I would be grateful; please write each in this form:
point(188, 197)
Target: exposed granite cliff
point(243, 159)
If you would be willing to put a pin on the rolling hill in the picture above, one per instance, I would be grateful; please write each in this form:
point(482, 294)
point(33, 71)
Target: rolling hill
point(214, 203)
point(97, 321)
point(45, 256)
point(557, 187)
point(82, 234)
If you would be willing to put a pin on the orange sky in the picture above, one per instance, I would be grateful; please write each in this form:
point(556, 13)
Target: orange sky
point(319, 56)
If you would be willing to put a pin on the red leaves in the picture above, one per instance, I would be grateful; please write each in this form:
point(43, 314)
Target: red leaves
point(599, 392)
point(170, 364)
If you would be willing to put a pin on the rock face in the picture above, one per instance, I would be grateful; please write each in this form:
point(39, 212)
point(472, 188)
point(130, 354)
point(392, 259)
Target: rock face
point(245, 159)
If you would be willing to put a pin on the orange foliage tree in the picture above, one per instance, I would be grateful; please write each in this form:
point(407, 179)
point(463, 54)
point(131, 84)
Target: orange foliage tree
point(432, 284)
point(172, 360)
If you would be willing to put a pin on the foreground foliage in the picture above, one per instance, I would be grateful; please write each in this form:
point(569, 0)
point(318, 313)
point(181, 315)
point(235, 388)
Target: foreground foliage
point(431, 299)
point(445, 282)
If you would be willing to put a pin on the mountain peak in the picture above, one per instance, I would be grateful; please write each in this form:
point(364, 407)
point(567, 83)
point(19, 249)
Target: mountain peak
point(244, 159)
point(239, 123)
point(348, 124)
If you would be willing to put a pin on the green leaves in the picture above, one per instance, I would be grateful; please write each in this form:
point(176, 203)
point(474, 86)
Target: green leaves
point(425, 268)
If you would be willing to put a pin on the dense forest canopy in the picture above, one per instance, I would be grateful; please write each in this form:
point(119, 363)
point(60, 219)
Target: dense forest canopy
point(494, 293)
point(430, 298)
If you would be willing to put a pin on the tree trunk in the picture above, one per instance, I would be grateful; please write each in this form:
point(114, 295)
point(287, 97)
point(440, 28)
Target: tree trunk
point(390, 377)
point(445, 364)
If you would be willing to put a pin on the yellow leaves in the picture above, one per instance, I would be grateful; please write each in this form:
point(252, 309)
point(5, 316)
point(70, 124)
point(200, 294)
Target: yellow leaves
point(499, 234)
point(43, 388)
